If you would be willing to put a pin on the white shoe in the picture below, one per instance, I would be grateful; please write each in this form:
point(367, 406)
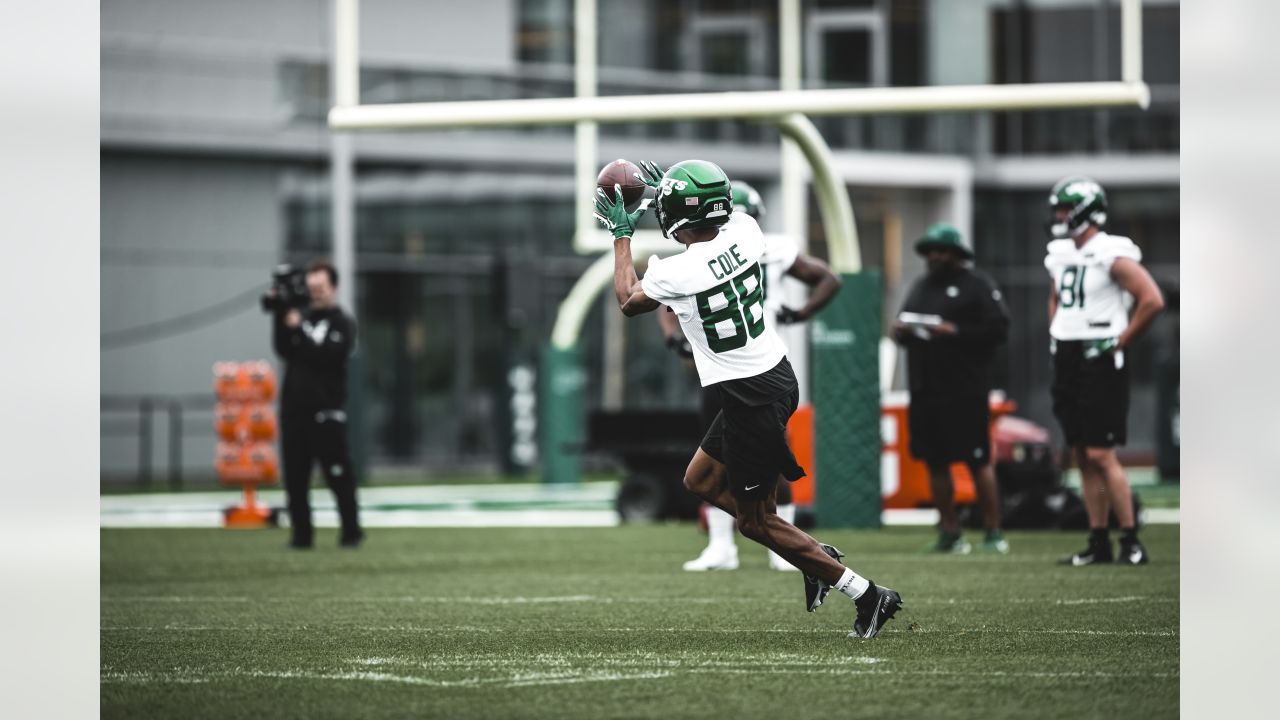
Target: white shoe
point(721, 557)
point(777, 563)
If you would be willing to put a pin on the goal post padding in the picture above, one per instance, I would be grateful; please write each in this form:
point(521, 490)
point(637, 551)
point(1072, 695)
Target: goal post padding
point(561, 378)
point(845, 356)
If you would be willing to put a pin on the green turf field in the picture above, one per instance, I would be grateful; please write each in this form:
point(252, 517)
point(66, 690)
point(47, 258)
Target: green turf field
point(602, 623)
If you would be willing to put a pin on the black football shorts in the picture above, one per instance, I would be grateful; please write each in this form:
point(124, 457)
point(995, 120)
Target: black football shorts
point(1090, 396)
point(751, 441)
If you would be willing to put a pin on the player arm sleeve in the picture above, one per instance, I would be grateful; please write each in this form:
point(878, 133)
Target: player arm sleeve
point(1121, 249)
point(656, 285)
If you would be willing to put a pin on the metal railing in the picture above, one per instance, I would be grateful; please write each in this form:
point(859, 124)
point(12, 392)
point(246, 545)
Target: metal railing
point(135, 415)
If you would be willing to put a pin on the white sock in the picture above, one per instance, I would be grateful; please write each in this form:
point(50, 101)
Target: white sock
point(719, 528)
point(852, 584)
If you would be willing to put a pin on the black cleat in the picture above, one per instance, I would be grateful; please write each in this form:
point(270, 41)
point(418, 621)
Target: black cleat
point(1097, 552)
point(351, 542)
point(815, 590)
point(872, 616)
point(1132, 553)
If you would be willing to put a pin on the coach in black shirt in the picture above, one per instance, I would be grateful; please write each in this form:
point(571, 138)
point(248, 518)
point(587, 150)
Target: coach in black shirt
point(950, 324)
point(315, 345)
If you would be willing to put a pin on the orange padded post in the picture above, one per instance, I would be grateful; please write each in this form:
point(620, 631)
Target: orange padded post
point(246, 425)
point(908, 487)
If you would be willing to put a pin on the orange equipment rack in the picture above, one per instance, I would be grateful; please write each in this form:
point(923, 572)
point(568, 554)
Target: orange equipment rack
point(246, 426)
point(904, 481)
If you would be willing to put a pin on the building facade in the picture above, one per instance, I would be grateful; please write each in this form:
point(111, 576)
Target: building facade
point(214, 168)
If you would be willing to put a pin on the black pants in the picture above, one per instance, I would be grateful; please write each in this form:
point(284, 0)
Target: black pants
point(948, 429)
point(305, 439)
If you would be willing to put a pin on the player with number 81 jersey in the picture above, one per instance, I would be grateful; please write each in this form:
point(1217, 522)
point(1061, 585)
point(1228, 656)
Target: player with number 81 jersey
point(716, 289)
point(1096, 277)
point(1091, 304)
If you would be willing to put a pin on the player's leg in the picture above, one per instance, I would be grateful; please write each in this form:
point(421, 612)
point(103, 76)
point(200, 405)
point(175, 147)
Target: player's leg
point(984, 480)
point(1104, 407)
point(295, 447)
point(943, 496)
point(1120, 495)
point(755, 451)
point(974, 441)
point(786, 509)
point(943, 490)
point(1093, 490)
point(335, 462)
point(721, 552)
point(1068, 406)
point(1111, 485)
point(928, 426)
point(1107, 397)
point(708, 478)
point(759, 521)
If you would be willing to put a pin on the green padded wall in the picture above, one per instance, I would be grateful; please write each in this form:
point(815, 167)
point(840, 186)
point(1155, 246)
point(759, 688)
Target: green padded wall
point(845, 358)
point(560, 383)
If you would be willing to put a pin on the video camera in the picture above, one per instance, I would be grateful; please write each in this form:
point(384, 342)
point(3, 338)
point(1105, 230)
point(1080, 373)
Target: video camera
point(289, 284)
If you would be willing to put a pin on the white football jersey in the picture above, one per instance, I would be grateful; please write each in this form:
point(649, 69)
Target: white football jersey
point(780, 253)
point(1091, 305)
point(716, 289)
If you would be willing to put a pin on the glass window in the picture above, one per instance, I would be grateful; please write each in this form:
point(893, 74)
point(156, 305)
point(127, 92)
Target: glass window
point(1082, 44)
point(846, 57)
point(725, 53)
point(544, 31)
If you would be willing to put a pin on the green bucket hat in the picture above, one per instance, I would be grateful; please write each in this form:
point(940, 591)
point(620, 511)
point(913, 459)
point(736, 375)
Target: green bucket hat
point(943, 235)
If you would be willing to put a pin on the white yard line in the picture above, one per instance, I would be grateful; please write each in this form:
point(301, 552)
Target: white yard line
point(525, 679)
point(151, 517)
point(385, 506)
point(510, 600)
point(928, 517)
point(455, 629)
point(204, 509)
point(522, 600)
point(534, 679)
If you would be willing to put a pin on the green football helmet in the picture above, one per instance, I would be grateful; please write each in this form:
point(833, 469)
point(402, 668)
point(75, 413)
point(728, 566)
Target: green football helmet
point(747, 200)
point(693, 194)
point(1086, 202)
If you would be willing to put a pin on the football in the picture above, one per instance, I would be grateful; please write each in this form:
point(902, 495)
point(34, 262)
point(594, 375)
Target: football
point(622, 172)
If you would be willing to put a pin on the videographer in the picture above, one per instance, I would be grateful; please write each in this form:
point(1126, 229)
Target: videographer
point(314, 338)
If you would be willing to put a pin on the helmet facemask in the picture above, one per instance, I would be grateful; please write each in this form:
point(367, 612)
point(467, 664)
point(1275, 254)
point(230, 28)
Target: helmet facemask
point(1085, 204)
point(1078, 219)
